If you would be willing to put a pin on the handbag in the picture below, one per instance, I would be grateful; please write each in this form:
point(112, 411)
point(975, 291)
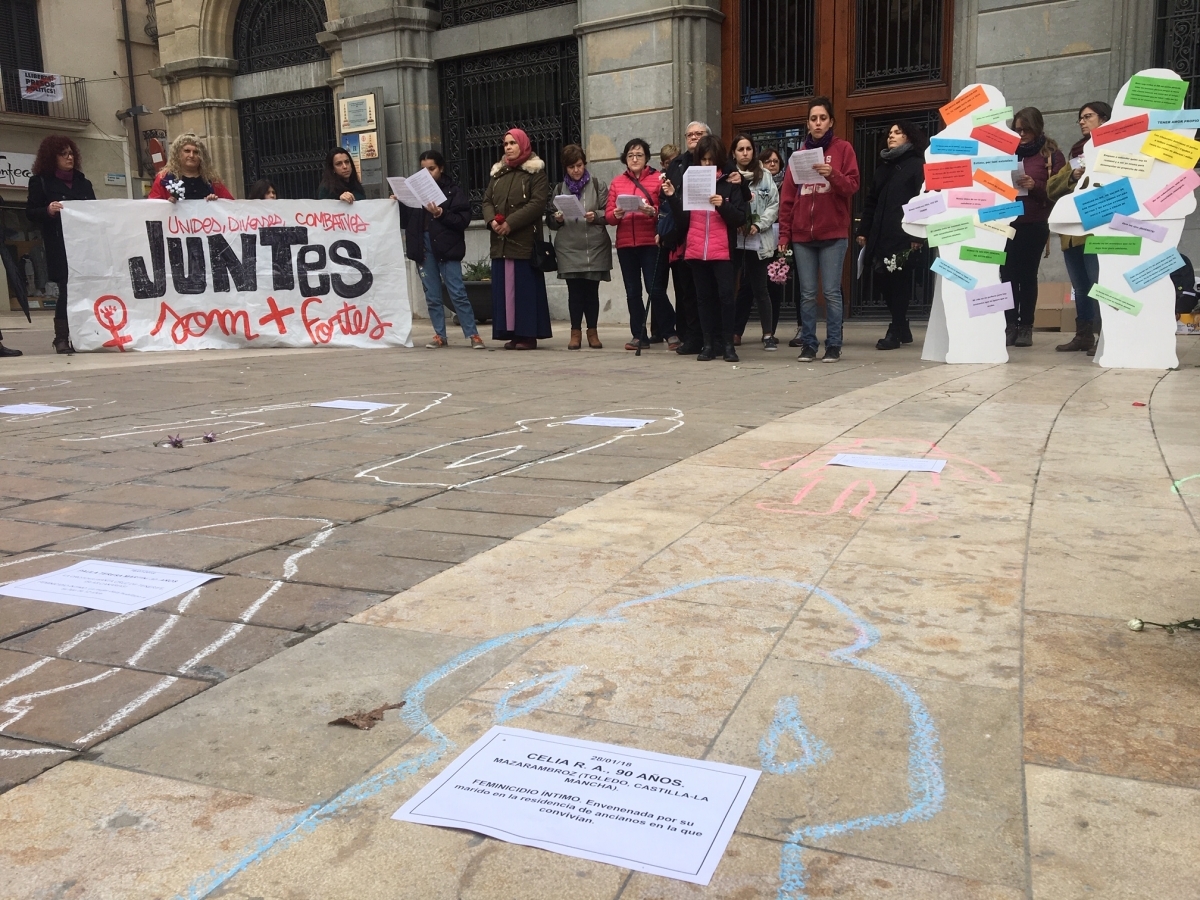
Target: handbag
point(543, 258)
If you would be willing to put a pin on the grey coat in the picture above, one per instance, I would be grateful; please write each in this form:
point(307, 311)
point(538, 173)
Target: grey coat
point(583, 249)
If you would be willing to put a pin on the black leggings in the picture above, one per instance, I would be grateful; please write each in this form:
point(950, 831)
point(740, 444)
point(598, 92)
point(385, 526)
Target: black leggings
point(60, 305)
point(583, 299)
point(896, 288)
point(1021, 269)
point(714, 280)
point(752, 286)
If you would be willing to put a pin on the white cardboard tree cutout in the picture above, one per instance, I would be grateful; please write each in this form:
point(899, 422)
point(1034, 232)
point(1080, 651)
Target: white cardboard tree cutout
point(1144, 339)
point(954, 335)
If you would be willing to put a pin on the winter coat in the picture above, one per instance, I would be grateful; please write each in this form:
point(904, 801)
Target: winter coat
point(1060, 185)
point(159, 192)
point(581, 247)
point(520, 196)
point(1039, 167)
point(764, 206)
point(711, 235)
point(818, 212)
point(896, 182)
point(324, 192)
point(44, 190)
point(446, 232)
point(635, 229)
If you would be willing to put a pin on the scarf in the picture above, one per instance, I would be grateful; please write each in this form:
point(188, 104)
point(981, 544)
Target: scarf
point(1077, 147)
point(823, 143)
point(576, 187)
point(1033, 148)
point(895, 152)
point(522, 140)
point(66, 176)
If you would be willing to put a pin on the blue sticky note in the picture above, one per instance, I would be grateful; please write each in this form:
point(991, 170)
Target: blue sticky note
point(1154, 269)
point(1097, 207)
point(953, 273)
point(1174, 118)
point(1001, 211)
point(995, 163)
point(953, 147)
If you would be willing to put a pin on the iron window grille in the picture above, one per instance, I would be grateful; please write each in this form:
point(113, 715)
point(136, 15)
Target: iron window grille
point(898, 42)
point(274, 34)
point(73, 107)
point(285, 139)
point(464, 12)
point(534, 88)
point(777, 52)
point(1177, 42)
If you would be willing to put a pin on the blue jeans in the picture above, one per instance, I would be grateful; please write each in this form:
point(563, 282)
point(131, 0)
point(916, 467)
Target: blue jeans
point(433, 273)
point(640, 264)
point(1084, 271)
point(820, 262)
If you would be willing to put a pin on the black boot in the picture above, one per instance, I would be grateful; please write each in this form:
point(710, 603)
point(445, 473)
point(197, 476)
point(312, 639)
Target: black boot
point(730, 353)
point(890, 341)
point(62, 337)
point(706, 353)
point(906, 334)
point(7, 351)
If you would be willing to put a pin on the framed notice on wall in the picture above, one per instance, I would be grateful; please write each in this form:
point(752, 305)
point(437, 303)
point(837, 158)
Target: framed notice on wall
point(361, 132)
point(357, 113)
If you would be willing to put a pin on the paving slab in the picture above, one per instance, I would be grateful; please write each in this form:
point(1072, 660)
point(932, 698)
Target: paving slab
point(439, 546)
point(18, 615)
point(338, 569)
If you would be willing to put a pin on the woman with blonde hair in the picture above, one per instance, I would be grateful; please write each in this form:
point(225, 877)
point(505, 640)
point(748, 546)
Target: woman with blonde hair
point(188, 174)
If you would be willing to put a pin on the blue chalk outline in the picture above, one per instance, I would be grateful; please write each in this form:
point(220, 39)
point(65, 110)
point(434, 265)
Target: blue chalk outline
point(926, 785)
point(788, 721)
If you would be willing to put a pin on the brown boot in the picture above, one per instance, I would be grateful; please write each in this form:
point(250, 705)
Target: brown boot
point(1095, 336)
point(594, 339)
point(62, 337)
point(576, 339)
point(1083, 339)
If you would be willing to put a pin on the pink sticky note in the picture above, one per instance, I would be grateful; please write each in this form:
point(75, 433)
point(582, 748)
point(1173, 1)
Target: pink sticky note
point(1139, 227)
point(970, 199)
point(1173, 192)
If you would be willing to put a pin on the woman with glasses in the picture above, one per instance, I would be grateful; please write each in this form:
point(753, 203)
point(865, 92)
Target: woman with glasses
point(1039, 158)
point(57, 177)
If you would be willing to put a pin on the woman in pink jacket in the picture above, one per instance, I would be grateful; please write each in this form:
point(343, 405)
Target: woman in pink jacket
point(637, 249)
point(814, 219)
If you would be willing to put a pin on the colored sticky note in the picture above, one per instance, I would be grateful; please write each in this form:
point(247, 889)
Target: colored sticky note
point(960, 199)
point(1141, 228)
point(950, 231)
point(1004, 141)
point(968, 253)
point(1001, 211)
point(1172, 148)
point(922, 207)
point(992, 183)
point(1115, 300)
point(995, 163)
point(1005, 231)
point(1175, 191)
point(1135, 165)
point(991, 299)
point(1154, 269)
point(1113, 246)
point(953, 273)
point(943, 175)
point(1123, 128)
point(953, 147)
point(1180, 118)
point(1098, 206)
point(1155, 93)
point(968, 102)
point(992, 116)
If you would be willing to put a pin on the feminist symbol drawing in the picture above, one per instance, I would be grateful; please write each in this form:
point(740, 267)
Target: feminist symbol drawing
point(106, 310)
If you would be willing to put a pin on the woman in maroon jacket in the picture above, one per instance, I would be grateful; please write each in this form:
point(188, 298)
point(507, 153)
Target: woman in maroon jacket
point(814, 219)
point(1040, 158)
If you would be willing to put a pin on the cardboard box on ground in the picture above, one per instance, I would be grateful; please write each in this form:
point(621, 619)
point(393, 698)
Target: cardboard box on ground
point(1055, 307)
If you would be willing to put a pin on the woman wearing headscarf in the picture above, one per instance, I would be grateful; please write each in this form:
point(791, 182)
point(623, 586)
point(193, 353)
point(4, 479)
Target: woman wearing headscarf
point(57, 177)
point(583, 247)
point(1040, 158)
point(339, 180)
point(886, 246)
point(1082, 268)
point(188, 174)
point(513, 206)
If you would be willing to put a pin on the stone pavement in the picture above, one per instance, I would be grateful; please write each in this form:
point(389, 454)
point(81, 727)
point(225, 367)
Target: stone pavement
point(183, 751)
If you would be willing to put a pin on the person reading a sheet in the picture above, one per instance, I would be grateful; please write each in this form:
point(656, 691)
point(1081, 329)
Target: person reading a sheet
point(581, 243)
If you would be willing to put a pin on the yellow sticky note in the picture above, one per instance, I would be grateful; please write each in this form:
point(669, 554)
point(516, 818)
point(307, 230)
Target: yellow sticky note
point(1135, 165)
point(997, 228)
point(1173, 149)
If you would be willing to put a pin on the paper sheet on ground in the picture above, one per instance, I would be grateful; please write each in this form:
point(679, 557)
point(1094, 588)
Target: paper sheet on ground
point(699, 183)
point(890, 463)
point(665, 815)
point(30, 409)
point(366, 405)
point(570, 207)
point(109, 586)
point(610, 422)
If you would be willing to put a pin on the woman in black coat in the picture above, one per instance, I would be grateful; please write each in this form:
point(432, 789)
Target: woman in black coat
point(898, 178)
point(57, 176)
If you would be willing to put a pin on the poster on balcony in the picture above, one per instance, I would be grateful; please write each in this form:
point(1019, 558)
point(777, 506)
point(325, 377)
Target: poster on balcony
point(41, 86)
point(226, 274)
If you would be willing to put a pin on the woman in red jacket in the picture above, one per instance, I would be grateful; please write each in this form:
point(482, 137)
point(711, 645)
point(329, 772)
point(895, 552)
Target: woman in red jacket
point(814, 219)
point(188, 174)
point(637, 249)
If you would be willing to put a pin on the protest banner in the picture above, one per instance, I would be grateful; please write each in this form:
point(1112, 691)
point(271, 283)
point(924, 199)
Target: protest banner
point(44, 86)
point(197, 275)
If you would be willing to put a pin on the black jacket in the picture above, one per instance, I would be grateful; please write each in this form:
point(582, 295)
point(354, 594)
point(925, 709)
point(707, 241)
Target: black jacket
point(896, 182)
point(446, 232)
point(44, 190)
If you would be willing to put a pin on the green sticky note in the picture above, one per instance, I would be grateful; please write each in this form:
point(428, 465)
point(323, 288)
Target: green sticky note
point(1115, 300)
point(1155, 93)
point(1113, 246)
point(992, 116)
point(982, 255)
point(951, 231)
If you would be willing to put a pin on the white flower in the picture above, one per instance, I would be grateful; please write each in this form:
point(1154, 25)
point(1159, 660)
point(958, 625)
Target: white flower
point(1136, 624)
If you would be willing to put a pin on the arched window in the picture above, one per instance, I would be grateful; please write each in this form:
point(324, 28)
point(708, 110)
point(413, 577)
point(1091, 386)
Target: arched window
point(274, 34)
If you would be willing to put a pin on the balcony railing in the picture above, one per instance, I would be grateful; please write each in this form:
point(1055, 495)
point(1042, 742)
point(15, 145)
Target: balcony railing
point(71, 108)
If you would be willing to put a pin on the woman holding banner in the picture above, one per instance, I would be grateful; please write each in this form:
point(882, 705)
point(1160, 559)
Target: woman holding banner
point(340, 180)
point(57, 177)
point(188, 174)
point(513, 206)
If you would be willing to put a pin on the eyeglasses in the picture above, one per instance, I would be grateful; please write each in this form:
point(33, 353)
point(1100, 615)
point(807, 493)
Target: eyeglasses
point(635, 154)
point(1020, 130)
point(1088, 115)
point(696, 134)
point(70, 153)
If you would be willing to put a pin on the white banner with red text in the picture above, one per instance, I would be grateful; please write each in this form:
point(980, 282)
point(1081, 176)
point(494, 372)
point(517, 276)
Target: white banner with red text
point(224, 274)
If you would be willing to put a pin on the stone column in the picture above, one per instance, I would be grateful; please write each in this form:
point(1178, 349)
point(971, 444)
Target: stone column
point(197, 93)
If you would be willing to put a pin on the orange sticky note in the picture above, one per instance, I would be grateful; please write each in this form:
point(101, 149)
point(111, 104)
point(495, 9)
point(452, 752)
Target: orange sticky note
point(1114, 131)
point(944, 175)
point(964, 104)
point(994, 137)
point(992, 183)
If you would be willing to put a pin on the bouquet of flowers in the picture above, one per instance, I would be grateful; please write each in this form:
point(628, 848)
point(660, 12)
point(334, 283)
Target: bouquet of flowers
point(777, 271)
point(896, 260)
point(174, 187)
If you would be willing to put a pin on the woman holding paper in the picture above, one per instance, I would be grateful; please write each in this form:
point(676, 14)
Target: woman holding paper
point(513, 206)
point(582, 245)
point(814, 218)
point(340, 181)
point(188, 174)
point(1082, 268)
point(886, 246)
point(755, 243)
point(633, 200)
point(1040, 158)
